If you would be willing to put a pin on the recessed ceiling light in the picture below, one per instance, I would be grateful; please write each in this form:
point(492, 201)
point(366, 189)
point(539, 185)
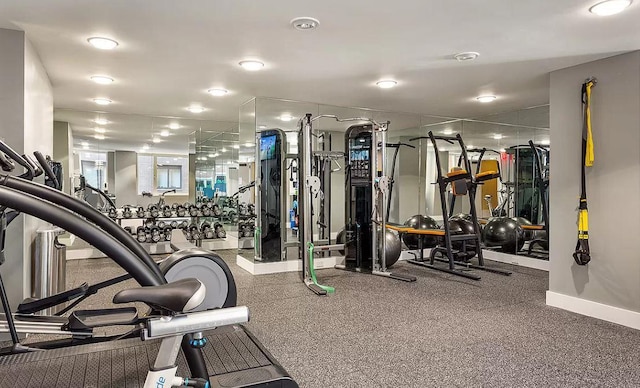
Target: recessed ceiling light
point(236, 146)
point(218, 92)
point(195, 109)
point(545, 142)
point(203, 158)
point(99, 136)
point(102, 101)
point(466, 56)
point(84, 144)
point(251, 65)
point(469, 146)
point(386, 84)
point(145, 146)
point(262, 127)
point(448, 131)
point(305, 23)
point(223, 150)
point(101, 121)
point(610, 7)
point(211, 155)
point(174, 126)
point(99, 130)
point(247, 144)
point(156, 140)
point(164, 133)
point(486, 99)
point(286, 117)
point(497, 136)
point(102, 79)
point(102, 43)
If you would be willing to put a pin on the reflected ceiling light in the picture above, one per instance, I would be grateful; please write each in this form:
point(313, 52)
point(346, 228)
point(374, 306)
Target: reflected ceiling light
point(497, 136)
point(211, 155)
point(156, 140)
point(236, 146)
point(216, 155)
point(223, 150)
point(545, 142)
point(174, 126)
point(102, 79)
point(469, 146)
point(84, 143)
point(164, 133)
point(247, 144)
point(286, 117)
point(203, 158)
point(448, 131)
point(98, 136)
point(217, 92)
point(195, 109)
point(175, 159)
point(610, 7)
point(145, 146)
point(262, 127)
point(386, 84)
point(503, 150)
point(466, 56)
point(486, 99)
point(99, 130)
point(305, 23)
point(102, 101)
point(101, 121)
point(102, 43)
point(251, 65)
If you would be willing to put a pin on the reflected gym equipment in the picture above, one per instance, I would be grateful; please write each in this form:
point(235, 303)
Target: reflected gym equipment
point(420, 222)
point(505, 233)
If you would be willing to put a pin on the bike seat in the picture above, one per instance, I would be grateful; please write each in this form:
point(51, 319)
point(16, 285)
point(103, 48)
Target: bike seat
point(181, 295)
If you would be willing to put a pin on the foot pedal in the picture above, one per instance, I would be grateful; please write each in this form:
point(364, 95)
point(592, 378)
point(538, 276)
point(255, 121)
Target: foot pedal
point(406, 278)
point(33, 305)
point(318, 290)
point(82, 320)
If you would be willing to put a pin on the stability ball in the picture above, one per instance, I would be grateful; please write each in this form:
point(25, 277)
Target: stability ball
point(505, 233)
point(420, 222)
point(528, 234)
point(462, 226)
point(393, 248)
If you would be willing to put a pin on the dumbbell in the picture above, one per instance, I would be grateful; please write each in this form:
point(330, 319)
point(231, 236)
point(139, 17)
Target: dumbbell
point(167, 233)
point(140, 212)
point(243, 209)
point(193, 211)
point(251, 208)
point(154, 212)
point(149, 222)
point(199, 205)
point(217, 211)
point(219, 230)
point(155, 234)
point(141, 234)
point(206, 211)
point(181, 211)
point(187, 234)
point(206, 230)
point(251, 230)
point(166, 211)
point(113, 213)
point(183, 224)
point(195, 232)
point(126, 212)
point(174, 206)
point(161, 224)
point(174, 224)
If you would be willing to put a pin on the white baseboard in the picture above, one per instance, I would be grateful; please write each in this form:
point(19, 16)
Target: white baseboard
point(520, 260)
point(260, 268)
point(594, 309)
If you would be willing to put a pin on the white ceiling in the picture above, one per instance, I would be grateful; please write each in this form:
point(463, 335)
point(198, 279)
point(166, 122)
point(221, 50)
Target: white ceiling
point(171, 52)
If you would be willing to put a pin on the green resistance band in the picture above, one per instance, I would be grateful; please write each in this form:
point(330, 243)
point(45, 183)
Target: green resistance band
point(256, 235)
point(312, 269)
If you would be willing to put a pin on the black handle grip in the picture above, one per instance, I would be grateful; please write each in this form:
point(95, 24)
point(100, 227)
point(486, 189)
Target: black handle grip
point(6, 163)
point(47, 169)
point(17, 158)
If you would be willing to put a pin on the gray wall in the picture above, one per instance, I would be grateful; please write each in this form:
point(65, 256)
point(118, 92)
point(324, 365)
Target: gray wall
point(111, 171)
point(613, 183)
point(63, 152)
point(126, 171)
point(26, 124)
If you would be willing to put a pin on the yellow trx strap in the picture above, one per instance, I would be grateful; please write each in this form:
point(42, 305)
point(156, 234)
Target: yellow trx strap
point(582, 254)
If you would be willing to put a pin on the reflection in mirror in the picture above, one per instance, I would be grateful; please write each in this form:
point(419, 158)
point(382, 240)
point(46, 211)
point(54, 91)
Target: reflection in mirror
point(245, 197)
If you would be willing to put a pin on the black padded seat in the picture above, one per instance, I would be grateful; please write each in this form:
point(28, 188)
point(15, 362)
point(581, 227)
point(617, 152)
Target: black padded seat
point(181, 295)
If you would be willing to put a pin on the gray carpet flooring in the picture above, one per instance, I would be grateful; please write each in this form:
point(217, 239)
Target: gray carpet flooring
point(441, 331)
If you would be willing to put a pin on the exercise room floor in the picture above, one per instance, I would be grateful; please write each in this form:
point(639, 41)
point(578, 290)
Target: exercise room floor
point(440, 331)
